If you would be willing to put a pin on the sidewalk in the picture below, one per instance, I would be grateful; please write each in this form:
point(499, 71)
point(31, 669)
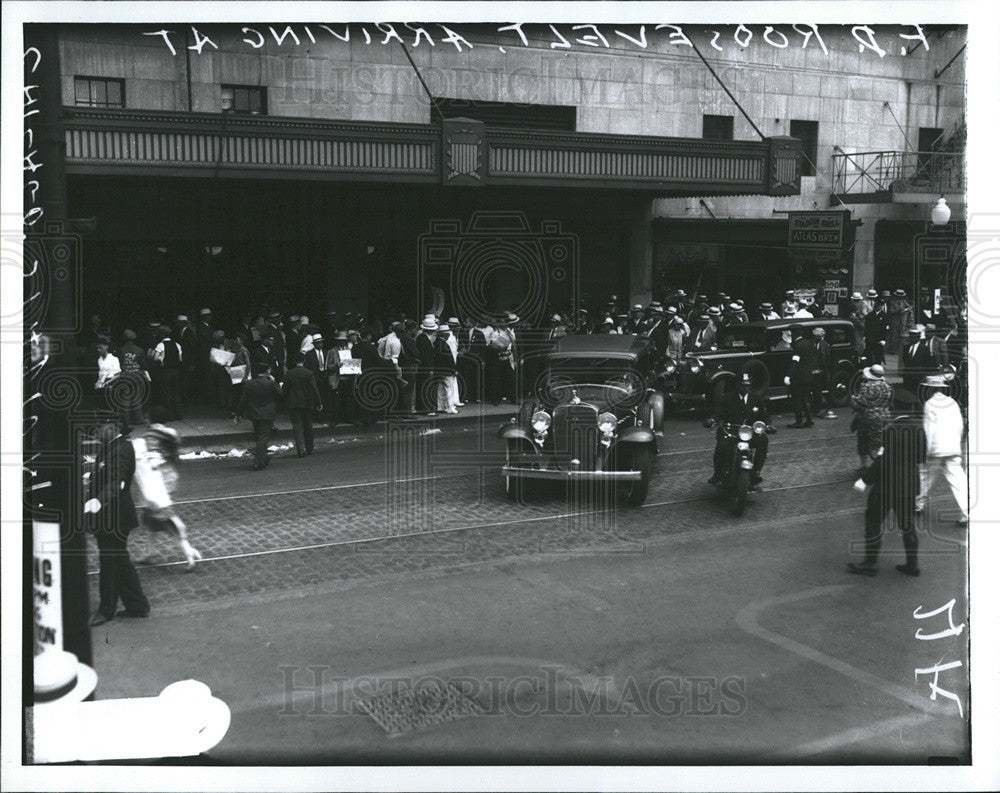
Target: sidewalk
point(204, 429)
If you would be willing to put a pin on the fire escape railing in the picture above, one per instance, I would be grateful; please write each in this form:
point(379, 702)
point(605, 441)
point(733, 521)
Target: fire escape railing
point(875, 172)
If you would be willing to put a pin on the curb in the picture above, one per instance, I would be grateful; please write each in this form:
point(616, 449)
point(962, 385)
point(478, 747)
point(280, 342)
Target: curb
point(223, 442)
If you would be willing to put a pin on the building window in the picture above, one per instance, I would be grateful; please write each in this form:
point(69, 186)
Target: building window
point(506, 114)
point(808, 133)
point(99, 92)
point(717, 127)
point(248, 100)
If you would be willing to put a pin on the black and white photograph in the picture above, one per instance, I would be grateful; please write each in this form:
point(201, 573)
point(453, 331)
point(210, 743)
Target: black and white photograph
point(579, 402)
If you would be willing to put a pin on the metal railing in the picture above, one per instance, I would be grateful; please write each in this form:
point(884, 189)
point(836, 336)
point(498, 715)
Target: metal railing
point(899, 171)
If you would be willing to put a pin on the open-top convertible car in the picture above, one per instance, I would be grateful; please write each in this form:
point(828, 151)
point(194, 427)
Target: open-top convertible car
point(592, 417)
point(762, 350)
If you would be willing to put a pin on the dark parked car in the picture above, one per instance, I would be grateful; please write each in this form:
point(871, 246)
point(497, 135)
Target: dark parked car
point(593, 417)
point(762, 349)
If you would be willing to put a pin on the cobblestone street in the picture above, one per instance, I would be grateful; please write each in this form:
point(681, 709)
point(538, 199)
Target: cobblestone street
point(322, 562)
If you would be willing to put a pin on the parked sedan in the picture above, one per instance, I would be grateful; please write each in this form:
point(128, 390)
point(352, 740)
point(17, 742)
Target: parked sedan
point(763, 350)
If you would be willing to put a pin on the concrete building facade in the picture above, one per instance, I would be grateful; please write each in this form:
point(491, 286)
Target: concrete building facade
point(298, 229)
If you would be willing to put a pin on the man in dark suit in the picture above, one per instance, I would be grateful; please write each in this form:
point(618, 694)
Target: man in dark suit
point(876, 334)
point(113, 516)
point(205, 331)
point(409, 360)
point(259, 403)
point(302, 398)
point(917, 361)
point(184, 335)
point(426, 395)
point(894, 479)
point(702, 335)
point(799, 378)
point(266, 354)
point(741, 406)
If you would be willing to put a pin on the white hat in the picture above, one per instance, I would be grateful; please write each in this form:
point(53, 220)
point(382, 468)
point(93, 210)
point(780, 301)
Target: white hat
point(303, 319)
point(453, 321)
point(205, 311)
point(182, 318)
point(935, 381)
point(429, 323)
point(875, 372)
point(443, 326)
point(512, 317)
point(637, 307)
point(608, 321)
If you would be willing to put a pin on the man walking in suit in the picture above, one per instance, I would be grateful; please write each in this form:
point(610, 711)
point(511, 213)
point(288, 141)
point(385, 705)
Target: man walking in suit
point(894, 479)
point(317, 361)
point(876, 334)
point(259, 403)
point(113, 517)
point(302, 398)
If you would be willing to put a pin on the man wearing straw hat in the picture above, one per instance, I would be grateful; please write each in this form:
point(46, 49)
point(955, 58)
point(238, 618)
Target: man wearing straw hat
point(943, 427)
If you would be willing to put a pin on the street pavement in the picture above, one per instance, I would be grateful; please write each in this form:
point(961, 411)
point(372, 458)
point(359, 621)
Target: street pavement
point(673, 633)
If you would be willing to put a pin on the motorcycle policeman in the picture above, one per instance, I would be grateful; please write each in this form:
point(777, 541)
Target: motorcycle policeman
point(741, 406)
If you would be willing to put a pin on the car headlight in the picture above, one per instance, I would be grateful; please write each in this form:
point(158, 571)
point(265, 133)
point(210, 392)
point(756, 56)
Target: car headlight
point(695, 367)
point(745, 433)
point(541, 421)
point(607, 423)
point(759, 427)
point(742, 446)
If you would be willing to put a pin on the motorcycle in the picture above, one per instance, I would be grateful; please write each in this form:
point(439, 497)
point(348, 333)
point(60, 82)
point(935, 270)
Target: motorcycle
point(740, 459)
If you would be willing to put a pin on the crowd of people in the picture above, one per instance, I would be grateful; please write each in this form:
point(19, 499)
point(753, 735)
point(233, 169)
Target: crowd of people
point(363, 369)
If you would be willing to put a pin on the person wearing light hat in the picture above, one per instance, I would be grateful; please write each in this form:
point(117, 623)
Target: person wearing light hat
point(634, 318)
point(426, 388)
point(871, 405)
point(876, 333)
point(900, 319)
point(445, 369)
point(703, 336)
point(767, 312)
point(894, 479)
point(790, 304)
point(822, 373)
point(452, 339)
point(943, 428)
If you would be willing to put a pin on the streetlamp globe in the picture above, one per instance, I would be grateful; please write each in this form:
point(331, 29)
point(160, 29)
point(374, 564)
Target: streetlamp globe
point(940, 212)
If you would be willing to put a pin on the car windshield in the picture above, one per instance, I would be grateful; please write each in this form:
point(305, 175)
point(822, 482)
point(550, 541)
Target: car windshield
point(610, 381)
point(591, 370)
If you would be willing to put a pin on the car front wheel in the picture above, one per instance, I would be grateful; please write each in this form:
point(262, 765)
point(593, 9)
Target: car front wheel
point(640, 458)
